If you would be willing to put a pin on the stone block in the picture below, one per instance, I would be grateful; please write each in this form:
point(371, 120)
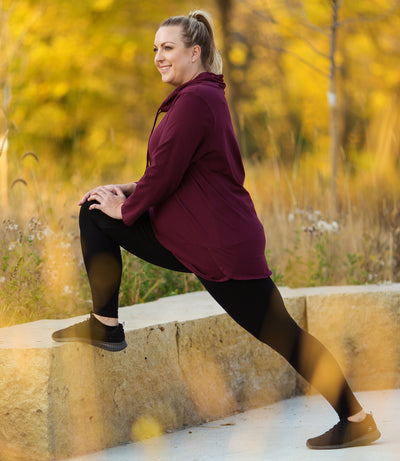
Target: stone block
point(186, 362)
point(360, 325)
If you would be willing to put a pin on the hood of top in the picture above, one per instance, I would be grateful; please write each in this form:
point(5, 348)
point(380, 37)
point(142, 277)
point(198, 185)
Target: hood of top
point(205, 78)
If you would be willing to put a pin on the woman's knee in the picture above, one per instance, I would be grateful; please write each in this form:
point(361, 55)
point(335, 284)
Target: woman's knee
point(84, 213)
point(85, 207)
point(88, 218)
point(87, 214)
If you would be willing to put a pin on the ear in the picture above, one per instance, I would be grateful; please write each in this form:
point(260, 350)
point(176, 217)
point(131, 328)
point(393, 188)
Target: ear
point(196, 53)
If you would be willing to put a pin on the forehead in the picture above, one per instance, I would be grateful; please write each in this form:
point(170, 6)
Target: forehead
point(168, 34)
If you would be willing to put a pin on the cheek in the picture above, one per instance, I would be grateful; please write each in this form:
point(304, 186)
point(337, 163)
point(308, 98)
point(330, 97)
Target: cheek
point(183, 62)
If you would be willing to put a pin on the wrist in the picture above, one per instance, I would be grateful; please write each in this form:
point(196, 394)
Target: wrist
point(132, 187)
point(128, 189)
point(120, 210)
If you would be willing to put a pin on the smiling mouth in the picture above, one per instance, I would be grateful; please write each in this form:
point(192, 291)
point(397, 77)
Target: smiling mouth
point(164, 69)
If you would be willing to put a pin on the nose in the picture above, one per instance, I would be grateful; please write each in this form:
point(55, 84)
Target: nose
point(158, 56)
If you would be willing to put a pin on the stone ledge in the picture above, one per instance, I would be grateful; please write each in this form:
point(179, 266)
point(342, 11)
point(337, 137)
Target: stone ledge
point(361, 327)
point(187, 362)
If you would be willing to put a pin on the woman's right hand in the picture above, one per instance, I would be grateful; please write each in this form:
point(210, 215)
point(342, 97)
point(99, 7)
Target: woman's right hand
point(110, 187)
point(127, 189)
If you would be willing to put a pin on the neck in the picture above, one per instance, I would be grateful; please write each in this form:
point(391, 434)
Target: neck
point(195, 74)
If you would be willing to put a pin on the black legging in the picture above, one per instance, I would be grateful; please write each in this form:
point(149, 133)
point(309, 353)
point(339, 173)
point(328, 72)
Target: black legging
point(256, 305)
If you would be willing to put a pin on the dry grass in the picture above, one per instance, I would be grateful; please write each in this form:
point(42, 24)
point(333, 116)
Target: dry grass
point(41, 269)
point(307, 245)
point(42, 273)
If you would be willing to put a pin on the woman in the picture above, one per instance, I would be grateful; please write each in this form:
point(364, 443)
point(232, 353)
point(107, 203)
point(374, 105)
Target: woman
point(190, 212)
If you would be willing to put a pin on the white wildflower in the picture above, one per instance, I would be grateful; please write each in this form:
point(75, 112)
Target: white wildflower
point(11, 247)
point(67, 290)
point(335, 226)
point(291, 217)
point(323, 226)
point(33, 224)
point(2, 279)
point(46, 232)
point(12, 226)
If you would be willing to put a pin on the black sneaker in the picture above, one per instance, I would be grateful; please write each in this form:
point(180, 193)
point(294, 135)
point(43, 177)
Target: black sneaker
point(92, 331)
point(346, 434)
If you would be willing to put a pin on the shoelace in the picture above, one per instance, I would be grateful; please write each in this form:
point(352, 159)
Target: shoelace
point(338, 427)
point(75, 325)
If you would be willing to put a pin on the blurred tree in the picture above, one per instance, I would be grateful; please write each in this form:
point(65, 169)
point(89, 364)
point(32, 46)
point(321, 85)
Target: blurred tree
point(296, 60)
point(79, 88)
point(84, 87)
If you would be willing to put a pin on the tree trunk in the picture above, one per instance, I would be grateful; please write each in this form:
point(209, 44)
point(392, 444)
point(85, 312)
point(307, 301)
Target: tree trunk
point(4, 106)
point(3, 174)
point(334, 135)
point(225, 8)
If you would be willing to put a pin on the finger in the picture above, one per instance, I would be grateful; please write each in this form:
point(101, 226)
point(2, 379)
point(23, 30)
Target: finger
point(118, 191)
point(103, 190)
point(87, 195)
point(95, 206)
point(84, 198)
point(97, 195)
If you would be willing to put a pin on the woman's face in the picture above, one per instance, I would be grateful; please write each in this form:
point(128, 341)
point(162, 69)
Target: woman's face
point(176, 63)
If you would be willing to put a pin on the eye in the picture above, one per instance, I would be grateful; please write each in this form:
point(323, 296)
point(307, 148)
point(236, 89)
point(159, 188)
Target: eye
point(168, 48)
point(155, 50)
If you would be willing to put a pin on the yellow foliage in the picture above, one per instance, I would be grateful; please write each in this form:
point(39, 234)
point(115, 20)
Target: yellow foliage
point(129, 51)
point(101, 5)
point(238, 54)
point(317, 12)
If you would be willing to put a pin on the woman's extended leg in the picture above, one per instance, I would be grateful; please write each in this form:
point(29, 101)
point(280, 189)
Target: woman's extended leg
point(258, 307)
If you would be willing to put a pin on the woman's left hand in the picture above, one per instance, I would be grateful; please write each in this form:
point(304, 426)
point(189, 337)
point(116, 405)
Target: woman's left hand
point(109, 201)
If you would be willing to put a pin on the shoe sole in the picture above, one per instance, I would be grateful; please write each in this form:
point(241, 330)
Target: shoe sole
point(111, 347)
point(360, 441)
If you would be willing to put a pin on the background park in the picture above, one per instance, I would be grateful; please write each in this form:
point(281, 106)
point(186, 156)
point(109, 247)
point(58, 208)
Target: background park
point(314, 91)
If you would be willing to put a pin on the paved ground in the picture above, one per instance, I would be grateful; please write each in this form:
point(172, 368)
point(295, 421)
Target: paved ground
point(273, 433)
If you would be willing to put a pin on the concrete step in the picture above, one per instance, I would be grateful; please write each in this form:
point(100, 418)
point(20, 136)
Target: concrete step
point(276, 432)
point(187, 363)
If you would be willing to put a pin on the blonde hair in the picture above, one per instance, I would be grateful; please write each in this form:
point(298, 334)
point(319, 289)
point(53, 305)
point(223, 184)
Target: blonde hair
point(198, 29)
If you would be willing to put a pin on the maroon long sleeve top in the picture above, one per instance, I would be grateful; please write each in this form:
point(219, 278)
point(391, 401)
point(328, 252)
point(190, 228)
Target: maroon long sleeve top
point(193, 187)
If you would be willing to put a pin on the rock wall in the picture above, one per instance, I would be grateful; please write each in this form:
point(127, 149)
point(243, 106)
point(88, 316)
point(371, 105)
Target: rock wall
point(187, 362)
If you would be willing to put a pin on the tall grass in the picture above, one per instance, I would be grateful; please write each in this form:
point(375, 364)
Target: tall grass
point(307, 246)
point(42, 273)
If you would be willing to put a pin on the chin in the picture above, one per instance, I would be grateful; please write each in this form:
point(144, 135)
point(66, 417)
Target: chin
point(166, 78)
point(170, 81)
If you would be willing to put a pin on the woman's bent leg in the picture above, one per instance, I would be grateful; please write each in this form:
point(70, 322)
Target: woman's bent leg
point(258, 307)
point(103, 263)
point(101, 239)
